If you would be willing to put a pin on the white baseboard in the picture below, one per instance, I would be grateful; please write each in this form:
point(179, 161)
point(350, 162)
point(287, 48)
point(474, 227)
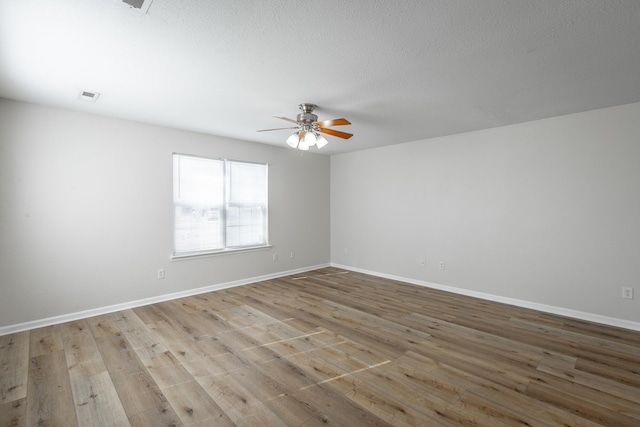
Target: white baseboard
point(596, 318)
point(611, 321)
point(5, 330)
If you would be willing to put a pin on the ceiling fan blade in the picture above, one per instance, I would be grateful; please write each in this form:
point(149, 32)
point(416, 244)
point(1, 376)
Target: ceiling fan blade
point(336, 133)
point(334, 122)
point(267, 130)
point(287, 119)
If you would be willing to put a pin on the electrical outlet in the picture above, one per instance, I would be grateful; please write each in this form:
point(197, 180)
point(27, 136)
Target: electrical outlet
point(627, 293)
point(423, 262)
point(275, 257)
point(292, 254)
point(161, 273)
point(441, 265)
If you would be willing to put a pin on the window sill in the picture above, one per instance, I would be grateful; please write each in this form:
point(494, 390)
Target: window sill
point(181, 257)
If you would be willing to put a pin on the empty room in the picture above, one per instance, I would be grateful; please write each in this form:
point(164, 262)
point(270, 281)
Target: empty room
point(301, 213)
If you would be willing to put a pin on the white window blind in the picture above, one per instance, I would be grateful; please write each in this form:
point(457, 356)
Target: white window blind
point(219, 205)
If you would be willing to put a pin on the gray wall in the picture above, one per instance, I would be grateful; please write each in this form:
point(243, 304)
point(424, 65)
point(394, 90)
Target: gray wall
point(546, 211)
point(86, 212)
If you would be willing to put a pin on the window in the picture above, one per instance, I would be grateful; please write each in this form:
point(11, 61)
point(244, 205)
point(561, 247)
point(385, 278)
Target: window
point(219, 205)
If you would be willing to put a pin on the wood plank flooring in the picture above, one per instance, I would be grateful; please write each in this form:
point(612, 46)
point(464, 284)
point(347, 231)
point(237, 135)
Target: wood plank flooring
point(329, 347)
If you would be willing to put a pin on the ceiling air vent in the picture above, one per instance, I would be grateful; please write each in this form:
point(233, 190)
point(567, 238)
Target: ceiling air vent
point(134, 3)
point(88, 96)
point(143, 5)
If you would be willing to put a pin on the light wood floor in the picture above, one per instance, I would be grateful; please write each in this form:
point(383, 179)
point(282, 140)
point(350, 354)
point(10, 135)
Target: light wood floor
point(327, 348)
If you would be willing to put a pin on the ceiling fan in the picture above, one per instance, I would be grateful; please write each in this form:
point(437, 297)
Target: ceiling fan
point(308, 129)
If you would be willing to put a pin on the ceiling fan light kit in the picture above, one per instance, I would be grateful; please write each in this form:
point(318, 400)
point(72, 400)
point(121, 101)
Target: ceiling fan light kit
point(308, 129)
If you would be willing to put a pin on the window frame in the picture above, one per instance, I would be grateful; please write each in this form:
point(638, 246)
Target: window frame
point(224, 214)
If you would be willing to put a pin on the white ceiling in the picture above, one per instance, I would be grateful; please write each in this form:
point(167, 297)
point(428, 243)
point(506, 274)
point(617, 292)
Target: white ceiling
point(398, 70)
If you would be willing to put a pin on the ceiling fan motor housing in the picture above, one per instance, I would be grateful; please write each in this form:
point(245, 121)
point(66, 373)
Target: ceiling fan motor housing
point(307, 117)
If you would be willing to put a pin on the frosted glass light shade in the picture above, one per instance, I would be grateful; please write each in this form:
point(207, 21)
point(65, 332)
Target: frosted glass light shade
point(321, 141)
point(310, 139)
point(293, 140)
point(303, 146)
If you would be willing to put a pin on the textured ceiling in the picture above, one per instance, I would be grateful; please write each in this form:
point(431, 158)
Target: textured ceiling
point(399, 70)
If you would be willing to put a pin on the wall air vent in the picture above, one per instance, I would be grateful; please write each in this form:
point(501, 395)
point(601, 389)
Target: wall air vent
point(88, 96)
point(143, 5)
